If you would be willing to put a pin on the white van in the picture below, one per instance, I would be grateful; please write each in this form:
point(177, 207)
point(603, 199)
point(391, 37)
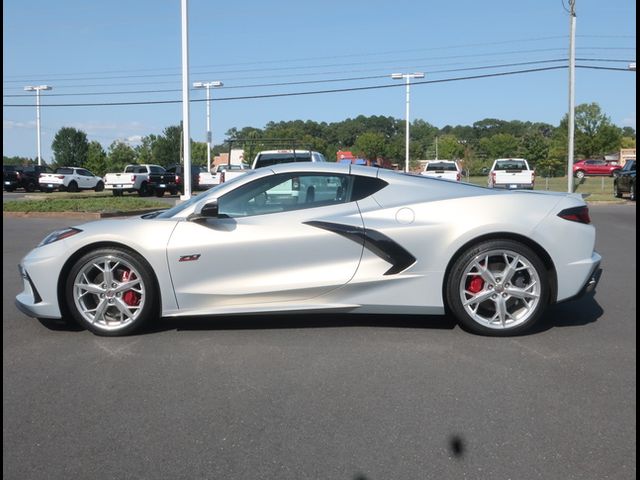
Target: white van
point(273, 157)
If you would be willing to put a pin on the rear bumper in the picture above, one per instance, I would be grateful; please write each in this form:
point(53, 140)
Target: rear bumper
point(591, 283)
point(513, 186)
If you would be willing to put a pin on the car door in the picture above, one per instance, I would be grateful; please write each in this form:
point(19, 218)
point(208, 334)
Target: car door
point(263, 249)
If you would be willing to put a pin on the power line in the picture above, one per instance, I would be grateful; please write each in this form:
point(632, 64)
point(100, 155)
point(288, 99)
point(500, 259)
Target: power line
point(332, 80)
point(307, 67)
point(291, 94)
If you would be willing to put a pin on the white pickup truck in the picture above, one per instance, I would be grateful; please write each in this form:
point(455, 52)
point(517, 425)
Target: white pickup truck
point(225, 172)
point(511, 173)
point(134, 178)
point(445, 169)
point(71, 179)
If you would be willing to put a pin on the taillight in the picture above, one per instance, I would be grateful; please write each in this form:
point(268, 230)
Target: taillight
point(178, 179)
point(493, 177)
point(222, 177)
point(533, 177)
point(295, 183)
point(576, 214)
point(133, 179)
point(60, 177)
point(458, 177)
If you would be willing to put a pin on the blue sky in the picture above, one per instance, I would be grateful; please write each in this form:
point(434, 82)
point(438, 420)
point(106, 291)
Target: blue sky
point(92, 52)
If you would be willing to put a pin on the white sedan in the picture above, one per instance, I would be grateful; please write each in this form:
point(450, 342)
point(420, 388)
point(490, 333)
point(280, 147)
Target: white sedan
point(366, 240)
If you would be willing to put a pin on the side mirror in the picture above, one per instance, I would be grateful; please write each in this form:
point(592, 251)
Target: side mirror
point(208, 210)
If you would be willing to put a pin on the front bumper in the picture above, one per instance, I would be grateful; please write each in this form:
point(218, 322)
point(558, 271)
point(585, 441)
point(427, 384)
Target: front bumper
point(31, 303)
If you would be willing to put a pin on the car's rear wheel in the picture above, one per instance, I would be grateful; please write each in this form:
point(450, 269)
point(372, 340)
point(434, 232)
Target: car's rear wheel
point(498, 288)
point(160, 193)
point(99, 187)
point(31, 187)
point(111, 291)
point(73, 187)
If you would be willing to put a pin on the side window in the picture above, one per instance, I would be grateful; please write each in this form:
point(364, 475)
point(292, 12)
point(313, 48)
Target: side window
point(286, 192)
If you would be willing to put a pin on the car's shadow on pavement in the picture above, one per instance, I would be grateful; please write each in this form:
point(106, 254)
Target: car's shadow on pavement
point(570, 314)
point(574, 313)
point(298, 321)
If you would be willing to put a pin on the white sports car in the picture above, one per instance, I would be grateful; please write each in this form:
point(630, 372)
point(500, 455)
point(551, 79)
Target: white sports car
point(319, 237)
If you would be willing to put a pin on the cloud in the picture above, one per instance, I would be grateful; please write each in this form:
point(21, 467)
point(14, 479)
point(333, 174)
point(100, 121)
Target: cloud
point(10, 124)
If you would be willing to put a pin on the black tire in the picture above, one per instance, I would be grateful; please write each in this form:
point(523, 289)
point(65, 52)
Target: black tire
point(173, 192)
point(85, 304)
point(144, 190)
point(99, 187)
point(116, 193)
point(31, 187)
point(616, 192)
point(160, 193)
point(9, 189)
point(72, 187)
point(494, 295)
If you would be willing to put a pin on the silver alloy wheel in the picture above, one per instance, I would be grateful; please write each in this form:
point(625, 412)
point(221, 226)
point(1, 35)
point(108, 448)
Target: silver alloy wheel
point(500, 289)
point(109, 292)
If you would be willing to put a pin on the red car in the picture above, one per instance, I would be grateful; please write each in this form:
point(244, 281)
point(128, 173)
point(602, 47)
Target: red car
point(595, 167)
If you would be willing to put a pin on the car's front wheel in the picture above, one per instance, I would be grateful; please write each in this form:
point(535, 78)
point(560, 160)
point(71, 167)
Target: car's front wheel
point(616, 192)
point(111, 291)
point(498, 288)
point(580, 174)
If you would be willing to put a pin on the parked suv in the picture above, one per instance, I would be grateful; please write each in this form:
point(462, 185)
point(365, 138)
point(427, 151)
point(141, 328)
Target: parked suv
point(625, 181)
point(273, 157)
point(594, 167)
point(14, 177)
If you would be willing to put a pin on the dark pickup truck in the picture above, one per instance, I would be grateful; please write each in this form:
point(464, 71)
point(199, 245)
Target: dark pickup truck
point(159, 183)
point(28, 177)
point(625, 181)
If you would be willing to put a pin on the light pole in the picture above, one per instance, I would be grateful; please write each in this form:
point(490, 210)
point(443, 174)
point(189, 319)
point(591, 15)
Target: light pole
point(572, 94)
point(407, 77)
point(38, 89)
point(208, 86)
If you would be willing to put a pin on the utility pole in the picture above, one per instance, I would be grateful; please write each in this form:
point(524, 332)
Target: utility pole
point(186, 144)
point(407, 77)
point(572, 95)
point(208, 86)
point(38, 89)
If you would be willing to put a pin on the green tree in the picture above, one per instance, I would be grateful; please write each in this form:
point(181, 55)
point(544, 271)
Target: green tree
point(18, 161)
point(96, 159)
point(70, 147)
point(595, 135)
point(371, 145)
point(120, 155)
point(535, 148)
point(450, 148)
point(167, 149)
point(499, 146)
point(144, 151)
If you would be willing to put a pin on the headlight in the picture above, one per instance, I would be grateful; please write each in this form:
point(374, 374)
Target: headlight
point(59, 235)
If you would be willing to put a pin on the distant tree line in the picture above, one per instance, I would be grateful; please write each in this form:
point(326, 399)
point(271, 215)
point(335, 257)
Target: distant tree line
point(476, 146)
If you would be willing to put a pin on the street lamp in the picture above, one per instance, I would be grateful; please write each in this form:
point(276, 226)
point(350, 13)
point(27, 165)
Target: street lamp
point(37, 89)
point(407, 77)
point(208, 86)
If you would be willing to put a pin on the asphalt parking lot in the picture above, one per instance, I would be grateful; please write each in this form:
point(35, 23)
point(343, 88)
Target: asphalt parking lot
point(335, 397)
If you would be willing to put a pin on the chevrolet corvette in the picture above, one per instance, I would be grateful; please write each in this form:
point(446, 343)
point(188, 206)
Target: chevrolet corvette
point(322, 237)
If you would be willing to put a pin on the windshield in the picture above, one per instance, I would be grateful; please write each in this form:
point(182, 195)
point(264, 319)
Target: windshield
point(448, 166)
point(511, 165)
point(267, 159)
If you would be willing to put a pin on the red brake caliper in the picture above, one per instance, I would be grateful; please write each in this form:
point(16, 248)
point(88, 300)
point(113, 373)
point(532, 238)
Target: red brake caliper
point(130, 297)
point(476, 284)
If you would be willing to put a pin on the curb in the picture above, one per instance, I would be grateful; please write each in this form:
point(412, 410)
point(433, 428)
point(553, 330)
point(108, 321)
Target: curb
point(77, 215)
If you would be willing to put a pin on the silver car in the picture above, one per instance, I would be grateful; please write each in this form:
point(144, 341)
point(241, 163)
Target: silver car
point(366, 240)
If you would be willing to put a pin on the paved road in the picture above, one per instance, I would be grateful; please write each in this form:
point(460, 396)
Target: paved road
point(322, 397)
